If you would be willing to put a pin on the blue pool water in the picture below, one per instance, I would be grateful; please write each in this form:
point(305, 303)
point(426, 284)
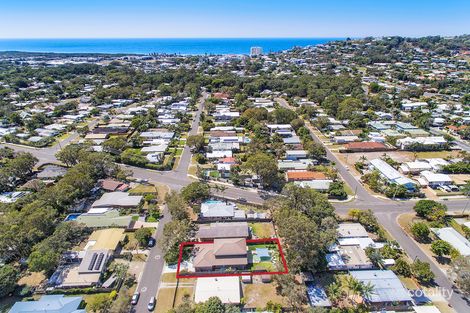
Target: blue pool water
point(72, 217)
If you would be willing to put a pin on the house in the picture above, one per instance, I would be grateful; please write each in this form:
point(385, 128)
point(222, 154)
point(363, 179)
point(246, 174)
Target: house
point(344, 139)
point(391, 174)
point(379, 126)
point(415, 167)
point(435, 179)
point(365, 146)
point(318, 184)
point(454, 238)
point(104, 217)
point(295, 155)
point(51, 172)
point(348, 257)
point(86, 267)
point(428, 143)
point(118, 200)
point(49, 304)
point(404, 127)
point(388, 290)
point(407, 105)
point(317, 295)
point(223, 230)
point(219, 210)
point(113, 185)
point(221, 254)
point(227, 289)
point(292, 176)
point(351, 230)
point(303, 164)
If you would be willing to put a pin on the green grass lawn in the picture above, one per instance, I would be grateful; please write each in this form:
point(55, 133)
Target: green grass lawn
point(262, 230)
point(179, 152)
point(141, 189)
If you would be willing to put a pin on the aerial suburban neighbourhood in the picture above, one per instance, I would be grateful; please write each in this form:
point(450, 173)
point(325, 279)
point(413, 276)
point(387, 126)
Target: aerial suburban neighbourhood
point(327, 177)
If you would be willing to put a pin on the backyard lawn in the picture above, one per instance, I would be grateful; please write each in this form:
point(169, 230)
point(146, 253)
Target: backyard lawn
point(262, 230)
point(258, 295)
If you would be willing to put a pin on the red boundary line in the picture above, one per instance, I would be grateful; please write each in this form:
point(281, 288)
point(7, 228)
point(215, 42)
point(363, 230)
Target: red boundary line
point(248, 241)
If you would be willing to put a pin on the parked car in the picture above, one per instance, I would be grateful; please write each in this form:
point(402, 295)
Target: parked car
point(135, 298)
point(151, 242)
point(240, 199)
point(151, 304)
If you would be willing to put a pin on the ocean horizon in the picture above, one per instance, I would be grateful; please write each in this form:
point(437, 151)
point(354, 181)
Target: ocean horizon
point(183, 46)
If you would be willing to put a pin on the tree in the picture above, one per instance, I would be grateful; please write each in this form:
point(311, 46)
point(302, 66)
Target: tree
point(264, 166)
point(195, 192)
point(429, 209)
point(402, 267)
point(212, 305)
point(335, 292)
point(82, 131)
point(114, 145)
point(375, 257)
point(177, 206)
point(8, 278)
point(98, 302)
point(174, 233)
point(420, 231)
point(195, 142)
point(441, 248)
point(336, 190)
point(422, 272)
point(295, 294)
point(122, 303)
point(142, 235)
point(70, 154)
point(315, 150)
point(460, 272)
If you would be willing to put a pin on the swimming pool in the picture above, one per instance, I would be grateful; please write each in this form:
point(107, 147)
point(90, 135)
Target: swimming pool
point(72, 217)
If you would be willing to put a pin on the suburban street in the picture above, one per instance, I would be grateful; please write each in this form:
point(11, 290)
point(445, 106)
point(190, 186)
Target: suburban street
point(150, 278)
point(386, 210)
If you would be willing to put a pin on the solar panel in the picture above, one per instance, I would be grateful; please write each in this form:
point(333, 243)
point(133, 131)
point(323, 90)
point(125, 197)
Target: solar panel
point(92, 262)
point(99, 261)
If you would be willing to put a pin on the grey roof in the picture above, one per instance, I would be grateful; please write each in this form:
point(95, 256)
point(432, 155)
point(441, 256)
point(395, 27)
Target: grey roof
point(317, 296)
point(117, 199)
point(49, 304)
point(94, 261)
point(217, 209)
point(52, 171)
point(106, 219)
point(224, 230)
point(387, 286)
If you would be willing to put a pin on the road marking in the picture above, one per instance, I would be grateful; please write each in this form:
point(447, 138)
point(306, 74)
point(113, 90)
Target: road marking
point(143, 289)
point(157, 257)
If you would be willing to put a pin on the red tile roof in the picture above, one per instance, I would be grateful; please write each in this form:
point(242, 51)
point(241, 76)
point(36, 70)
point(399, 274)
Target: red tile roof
point(305, 175)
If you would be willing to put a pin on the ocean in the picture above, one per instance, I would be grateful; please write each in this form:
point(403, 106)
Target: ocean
point(184, 46)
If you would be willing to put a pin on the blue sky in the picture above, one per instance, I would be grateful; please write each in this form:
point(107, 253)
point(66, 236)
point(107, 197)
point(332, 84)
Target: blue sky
point(231, 18)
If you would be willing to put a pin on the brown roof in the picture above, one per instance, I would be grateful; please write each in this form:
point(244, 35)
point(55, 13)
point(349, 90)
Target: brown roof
point(221, 133)
point(365, 145)
point(305, 175)
point(110, 184)
point(223, 252)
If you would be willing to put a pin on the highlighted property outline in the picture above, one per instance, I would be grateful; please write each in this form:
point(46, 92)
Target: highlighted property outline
point(247, 273)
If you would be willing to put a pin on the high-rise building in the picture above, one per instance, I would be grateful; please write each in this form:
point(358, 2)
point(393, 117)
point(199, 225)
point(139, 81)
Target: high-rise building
point(254, 51)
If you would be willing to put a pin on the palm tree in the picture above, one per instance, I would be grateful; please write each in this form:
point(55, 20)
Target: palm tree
point(367, 290)
point(335, 292)
point(354, 286)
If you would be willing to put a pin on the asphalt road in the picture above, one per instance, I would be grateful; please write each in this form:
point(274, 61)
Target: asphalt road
point(386, 210)
point(150, 279)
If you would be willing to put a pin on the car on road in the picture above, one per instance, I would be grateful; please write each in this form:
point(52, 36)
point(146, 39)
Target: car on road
point(135, 298)
point(151, 304)
point(151, 242)
point(240, 199)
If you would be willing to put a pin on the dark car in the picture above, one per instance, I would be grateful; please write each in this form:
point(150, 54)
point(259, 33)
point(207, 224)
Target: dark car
point(151, 242)
point(242, 200)
point(151, 304)
point(135, 298)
